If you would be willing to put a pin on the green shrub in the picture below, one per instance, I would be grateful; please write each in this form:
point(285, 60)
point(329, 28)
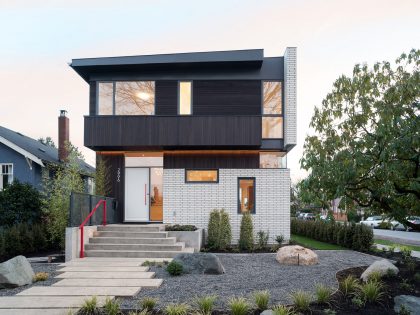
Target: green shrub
point(417, 277)
point(238, 306)
point(112, 307)
point(174, 268)
point(205, 304)
point(177, 309)
point(246, 235)
point(282, 310)
point(19, 203)
point(301, 300)
point(180, 227)
point(406, 286)
point(148, 303)
point(280, 239)
point(371, 291)
point(358, 302)
point(348, 286)
point(322, 293)
point(261, 299)
point(262, 239)
point(375, 276)
point(219, 230)
point(405, 252)
point(392, 248)
point(90, 306)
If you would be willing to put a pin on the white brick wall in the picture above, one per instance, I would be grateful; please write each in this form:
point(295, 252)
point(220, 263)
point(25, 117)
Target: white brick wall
point(192, 203)
point(290, 96)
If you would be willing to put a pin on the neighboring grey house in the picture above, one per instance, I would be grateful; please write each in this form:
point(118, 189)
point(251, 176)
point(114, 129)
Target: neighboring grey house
point(183, 134)
point(22, 158)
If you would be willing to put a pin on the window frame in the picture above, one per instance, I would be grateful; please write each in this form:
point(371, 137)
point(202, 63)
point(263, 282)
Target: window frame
point(9, 174)
point(114, 93)
point(254, 209)
point(272, 115)
point(179, 98)
point(186, 181)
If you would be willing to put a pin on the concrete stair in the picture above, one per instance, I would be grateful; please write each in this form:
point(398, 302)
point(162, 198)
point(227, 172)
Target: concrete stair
point(133, 241)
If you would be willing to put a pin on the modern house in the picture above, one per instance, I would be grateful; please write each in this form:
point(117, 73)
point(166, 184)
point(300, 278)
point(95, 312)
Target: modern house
point(182, 134)
point(23, 158)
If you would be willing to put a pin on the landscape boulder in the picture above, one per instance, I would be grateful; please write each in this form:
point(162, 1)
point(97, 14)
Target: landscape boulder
point(16, 272)
point(200, 263)
point(381, 266)
point(411, 304)
point(296, 255)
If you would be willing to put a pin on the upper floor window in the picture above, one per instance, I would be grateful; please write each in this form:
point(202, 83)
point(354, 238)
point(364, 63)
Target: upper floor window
point(126, 98)
point(6, 175)
point(185, 97)
point(272, 120)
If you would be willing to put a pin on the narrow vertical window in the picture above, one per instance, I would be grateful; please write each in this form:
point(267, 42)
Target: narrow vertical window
point(105, 98)
point(272, 120)
point(246, 195)
point(185, 98)
point(6, 175)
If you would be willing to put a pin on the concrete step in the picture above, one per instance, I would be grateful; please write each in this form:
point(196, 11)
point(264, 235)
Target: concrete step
point(79, 291)
point(139, 247)
point(110, 262)
point(126, 240)
point(132, 234)
point(35, 311)
point(83, 268)
point(143, 283)
point(135, 254)
point(42, 302)
point(105, 275)
point(131, 228)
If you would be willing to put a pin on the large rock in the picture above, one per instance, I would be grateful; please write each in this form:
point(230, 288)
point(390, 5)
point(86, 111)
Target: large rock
point(16, 272)
point(296, 255)
point(200, 263)
point(411, 303)
point(381, 267)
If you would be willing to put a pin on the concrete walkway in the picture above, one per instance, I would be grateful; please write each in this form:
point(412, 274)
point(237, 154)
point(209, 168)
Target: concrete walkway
point(82, 279)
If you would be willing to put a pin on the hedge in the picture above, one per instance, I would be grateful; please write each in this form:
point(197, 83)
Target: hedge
point(355, 236)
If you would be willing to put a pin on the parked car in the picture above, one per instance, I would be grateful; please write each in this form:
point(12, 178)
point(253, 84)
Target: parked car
point(373, 221)
point(309, 216)
point(415, 220)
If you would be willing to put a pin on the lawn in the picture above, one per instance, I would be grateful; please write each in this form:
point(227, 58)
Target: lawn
point(386, 242)
point(313, 244)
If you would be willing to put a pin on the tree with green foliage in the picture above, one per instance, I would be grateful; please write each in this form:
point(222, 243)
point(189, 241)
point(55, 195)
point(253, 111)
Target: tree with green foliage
point(225, 230)
point(219, 230)
point(47, 141)
point(56, 194)
point(246, 234)
point(102, 180)
point(213, 229)
point(366, 146)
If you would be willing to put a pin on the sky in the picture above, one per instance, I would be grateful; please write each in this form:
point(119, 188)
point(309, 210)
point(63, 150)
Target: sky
point(38, 39)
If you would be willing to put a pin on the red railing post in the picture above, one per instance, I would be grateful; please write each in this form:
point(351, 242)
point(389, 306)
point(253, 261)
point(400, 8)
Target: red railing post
point(81, 226)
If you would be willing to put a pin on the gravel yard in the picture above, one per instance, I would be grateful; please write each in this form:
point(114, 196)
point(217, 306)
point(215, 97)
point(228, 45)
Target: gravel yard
point(37, 267)
point(246, 273)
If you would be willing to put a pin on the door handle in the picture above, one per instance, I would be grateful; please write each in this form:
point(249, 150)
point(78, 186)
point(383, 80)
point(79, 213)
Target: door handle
point(145, 188)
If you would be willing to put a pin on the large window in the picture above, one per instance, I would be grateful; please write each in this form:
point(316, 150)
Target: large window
point(6, 175)
point(272, 120)
point(273, 160)
point(246, 194)
point(201, 176)
point(185, 98)
point(126, 98)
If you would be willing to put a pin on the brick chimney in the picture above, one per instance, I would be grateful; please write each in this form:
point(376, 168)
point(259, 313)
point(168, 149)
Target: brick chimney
point(63, 135)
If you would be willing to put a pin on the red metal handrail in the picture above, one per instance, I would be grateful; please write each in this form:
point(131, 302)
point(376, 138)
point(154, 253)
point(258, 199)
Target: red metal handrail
point(81, 226)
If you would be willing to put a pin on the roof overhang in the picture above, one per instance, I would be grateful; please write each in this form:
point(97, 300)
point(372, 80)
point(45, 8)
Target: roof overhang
point(18, 149)
point(198, 60)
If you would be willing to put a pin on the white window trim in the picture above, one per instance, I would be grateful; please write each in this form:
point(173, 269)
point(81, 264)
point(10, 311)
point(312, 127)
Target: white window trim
point(9, 174)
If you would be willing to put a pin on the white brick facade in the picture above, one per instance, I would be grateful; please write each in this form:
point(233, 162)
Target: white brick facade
point(191, 203)
point(290, 70)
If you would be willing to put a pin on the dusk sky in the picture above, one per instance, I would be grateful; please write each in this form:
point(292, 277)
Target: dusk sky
point(39, 39)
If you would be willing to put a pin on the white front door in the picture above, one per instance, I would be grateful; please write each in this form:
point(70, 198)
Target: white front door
point(136, 194)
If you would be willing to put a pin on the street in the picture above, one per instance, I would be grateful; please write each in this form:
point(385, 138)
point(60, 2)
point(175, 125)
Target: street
point(409, 238)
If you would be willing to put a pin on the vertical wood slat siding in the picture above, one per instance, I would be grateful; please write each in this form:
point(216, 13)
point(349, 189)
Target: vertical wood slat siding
point(166, 97)
point(115, 166)
point(92, 98)
point(227, 97)
point(201, 160)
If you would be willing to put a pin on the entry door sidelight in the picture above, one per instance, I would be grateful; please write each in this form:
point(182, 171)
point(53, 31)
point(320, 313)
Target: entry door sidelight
point(137, 194)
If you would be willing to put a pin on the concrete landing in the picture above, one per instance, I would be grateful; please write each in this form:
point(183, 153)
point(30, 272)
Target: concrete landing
point(106, 275)
point(44, 302)
point(79, 291)
point(144, 283)
point(83, 268)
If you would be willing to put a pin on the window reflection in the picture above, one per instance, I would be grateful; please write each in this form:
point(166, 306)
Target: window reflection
point(135, 98)
point(273, 160)
point(272, 127)
point(105, 98)
point(272, 104)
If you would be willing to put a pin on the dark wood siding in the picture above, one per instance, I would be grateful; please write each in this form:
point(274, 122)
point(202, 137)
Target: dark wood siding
point(211, 160)
point(92, 98)
point(166, 97)
point(130, 132)
point(227, 97)
point(115, 166)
